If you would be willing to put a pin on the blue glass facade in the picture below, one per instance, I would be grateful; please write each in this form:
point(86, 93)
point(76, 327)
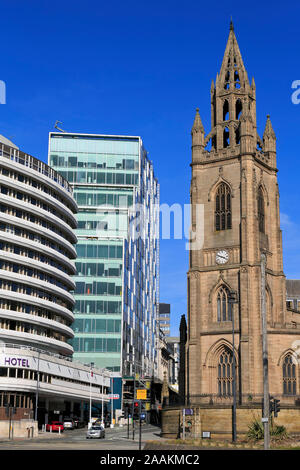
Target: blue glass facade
point(116, 276)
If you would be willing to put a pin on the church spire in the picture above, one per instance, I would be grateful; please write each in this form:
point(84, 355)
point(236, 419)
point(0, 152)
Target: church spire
point(233, 74)
point(231, 97)
point(197, 126)
point(197, 136)
point(269, 141)
point(269, 131)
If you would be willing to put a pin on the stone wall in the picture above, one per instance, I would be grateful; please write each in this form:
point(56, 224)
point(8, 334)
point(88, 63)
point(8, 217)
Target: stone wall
point(19, 428)
point(218, 420)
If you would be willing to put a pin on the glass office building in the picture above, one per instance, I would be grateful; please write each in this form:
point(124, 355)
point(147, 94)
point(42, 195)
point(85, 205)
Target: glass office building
point(117, 278)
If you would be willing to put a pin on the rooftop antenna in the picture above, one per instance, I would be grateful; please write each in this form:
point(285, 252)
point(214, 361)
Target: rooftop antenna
point(58, 128)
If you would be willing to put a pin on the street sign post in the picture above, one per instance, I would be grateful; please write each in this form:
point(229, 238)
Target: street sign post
point(140, 418)
point(10, 411)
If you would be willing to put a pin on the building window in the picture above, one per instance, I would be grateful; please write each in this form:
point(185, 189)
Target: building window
point(225, 373)
point(226, 140)
point(289, 376)
point(225, 111)
point(223, 208)
point(223, 305)
point(238, 109)
point(261, 211)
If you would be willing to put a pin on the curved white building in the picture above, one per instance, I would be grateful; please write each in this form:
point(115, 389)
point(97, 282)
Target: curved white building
point(38, 378)
point(36, 252)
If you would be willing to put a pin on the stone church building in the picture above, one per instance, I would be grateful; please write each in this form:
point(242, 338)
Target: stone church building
point(234, 178)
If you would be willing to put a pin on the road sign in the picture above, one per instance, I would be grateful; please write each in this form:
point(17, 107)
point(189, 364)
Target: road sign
point(141, 394)
point(189, 411)
point(114, 396)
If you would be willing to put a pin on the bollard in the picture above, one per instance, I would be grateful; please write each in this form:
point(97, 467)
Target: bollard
point(50, 428)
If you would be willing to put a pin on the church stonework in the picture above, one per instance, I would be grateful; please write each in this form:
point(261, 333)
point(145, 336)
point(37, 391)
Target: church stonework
point(234, 177)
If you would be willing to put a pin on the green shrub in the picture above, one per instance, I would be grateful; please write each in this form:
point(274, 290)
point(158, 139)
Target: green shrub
point(278, 431)
point(256, 430)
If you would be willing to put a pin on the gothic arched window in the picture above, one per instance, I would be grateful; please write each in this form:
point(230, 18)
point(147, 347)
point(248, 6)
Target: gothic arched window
point(238, 109)
point(261, 211)
point(289, 376)
point(237, 83)
point(223, 305)
point(225, 111)
point(227, 79)
point(225, 373)
point(223, 207)
point(226, 140)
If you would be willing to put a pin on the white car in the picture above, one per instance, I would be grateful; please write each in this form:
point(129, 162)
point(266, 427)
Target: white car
point(96, 432)
point(69, 423)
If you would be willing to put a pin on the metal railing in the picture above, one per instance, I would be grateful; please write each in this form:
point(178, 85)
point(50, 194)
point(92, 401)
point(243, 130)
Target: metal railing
point(49, 353)
point(34, 163)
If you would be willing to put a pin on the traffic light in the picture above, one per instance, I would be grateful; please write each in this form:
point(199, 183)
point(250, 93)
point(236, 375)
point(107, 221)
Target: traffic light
point(276, 407)
point(136, 410)
point(271, 405)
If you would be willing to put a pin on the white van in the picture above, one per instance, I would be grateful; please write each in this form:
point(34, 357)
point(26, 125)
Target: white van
point(69, 423)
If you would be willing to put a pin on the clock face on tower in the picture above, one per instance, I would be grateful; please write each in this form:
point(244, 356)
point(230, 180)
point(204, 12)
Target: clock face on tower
point(222, 257)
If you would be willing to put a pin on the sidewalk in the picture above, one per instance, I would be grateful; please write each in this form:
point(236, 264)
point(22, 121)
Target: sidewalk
point(41, 435)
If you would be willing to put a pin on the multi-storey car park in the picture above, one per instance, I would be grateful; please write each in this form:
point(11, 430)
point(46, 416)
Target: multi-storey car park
point(37, 222)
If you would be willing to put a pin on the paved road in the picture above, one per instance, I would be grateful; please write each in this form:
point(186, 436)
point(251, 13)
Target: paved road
point(115, 439)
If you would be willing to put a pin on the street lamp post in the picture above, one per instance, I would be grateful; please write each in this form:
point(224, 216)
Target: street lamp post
point(37, 388)
point(91, 375)
point(233, 300)
point(266, 402)
point(112, 404)
point(134, 377)
point(102, 400)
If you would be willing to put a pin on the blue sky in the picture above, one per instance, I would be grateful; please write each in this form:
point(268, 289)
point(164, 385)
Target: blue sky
point(141, 68)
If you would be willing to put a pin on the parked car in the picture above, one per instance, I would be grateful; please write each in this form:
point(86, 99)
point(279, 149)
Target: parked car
point(55, 426)
point(95, 432)
point(78, 423)
point(69, 423)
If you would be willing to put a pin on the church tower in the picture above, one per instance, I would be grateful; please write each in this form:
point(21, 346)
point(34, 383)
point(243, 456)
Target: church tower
point(234, 178)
